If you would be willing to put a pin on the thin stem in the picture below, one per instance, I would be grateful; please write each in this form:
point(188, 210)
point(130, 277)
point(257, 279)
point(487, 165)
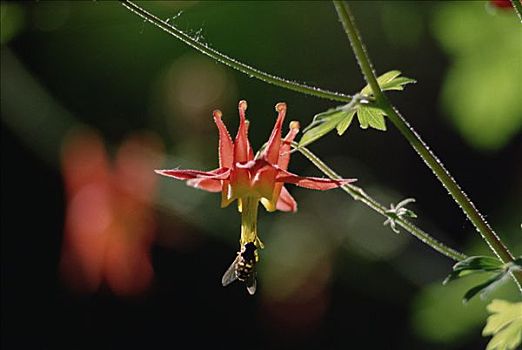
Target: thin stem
point(517, 5)
point(358, 194)
point(429, 158)
point(218, 56)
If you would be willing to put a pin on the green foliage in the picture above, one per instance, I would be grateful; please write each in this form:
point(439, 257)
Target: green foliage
point(325, 122)
point(504, 324)
point(389, 81)
point(345, 123)
point(482, 264)
point(373, 117)
point(340, 118)
point(474, 264)
point(436, 304)
point(481, 89)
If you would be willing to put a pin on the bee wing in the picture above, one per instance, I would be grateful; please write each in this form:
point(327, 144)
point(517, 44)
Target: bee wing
point(230, 274)
point(251, 284)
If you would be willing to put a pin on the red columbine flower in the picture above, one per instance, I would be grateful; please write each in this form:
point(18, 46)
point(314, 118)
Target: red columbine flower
point(251, 179)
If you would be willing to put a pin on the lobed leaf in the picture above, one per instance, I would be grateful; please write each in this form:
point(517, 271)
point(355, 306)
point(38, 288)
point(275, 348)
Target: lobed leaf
point(397, 84)
point(474, 264)
point(322, 117)
point(490, 284)
point(483, 264)
point(389, 81)
point(369, 116)
point(504, 324)
point(325, 126)
point(341, 117)
point(345, 123)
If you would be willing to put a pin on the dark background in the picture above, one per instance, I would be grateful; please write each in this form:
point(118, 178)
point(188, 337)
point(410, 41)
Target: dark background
point(100, 65)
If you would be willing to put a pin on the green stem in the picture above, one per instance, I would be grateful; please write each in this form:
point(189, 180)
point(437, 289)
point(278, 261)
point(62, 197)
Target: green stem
point(517, 5)
point(358, 194)
point(218, 56)
point(487, 233)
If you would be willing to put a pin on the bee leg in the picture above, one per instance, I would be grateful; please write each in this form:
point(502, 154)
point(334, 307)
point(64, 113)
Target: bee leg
point(259, 244)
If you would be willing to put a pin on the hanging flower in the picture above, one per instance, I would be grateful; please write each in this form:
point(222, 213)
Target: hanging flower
point(253, 179)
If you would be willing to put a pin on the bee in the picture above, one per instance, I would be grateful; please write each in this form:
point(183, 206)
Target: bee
point(243, 268)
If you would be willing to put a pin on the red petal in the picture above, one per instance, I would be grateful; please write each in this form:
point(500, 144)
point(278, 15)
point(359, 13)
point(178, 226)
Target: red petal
point(226, 146)
point(262, 177)
point(242, 150)
point(271, 153)
point(284, 151)
point(314, 183)
point(286, 202)
point(210, 185)
point(218, 174)
point(263, 181)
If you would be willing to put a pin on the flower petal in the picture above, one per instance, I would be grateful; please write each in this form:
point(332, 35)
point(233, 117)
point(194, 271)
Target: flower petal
point(286, 202)
point(271, 153)
point(314, 183)
point(262, 177)
point(281, 200)
point(226, 193)
point(226, 146)
point(210, 185)
point(217, 174)
point(284, 151)
point(263, 181)
point(242, 150)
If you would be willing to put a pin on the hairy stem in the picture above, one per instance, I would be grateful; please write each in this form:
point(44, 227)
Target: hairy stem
point(358, 194)
point(218, 56)
point(494, 242)
point(517, 5)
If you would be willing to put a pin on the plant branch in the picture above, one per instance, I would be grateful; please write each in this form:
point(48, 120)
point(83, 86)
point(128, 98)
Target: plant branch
point(487, 233)
point(517, 5)
point(358, 194)
point(218, 56)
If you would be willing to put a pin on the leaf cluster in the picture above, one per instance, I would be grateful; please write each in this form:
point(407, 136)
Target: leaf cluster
point(483, 264)
point(341, 117)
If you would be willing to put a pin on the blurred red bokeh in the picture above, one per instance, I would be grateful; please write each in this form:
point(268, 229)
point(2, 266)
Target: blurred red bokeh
point(109, 225)
point(504, 4)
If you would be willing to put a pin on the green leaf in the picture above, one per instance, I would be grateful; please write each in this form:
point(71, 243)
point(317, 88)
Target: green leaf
point(474, 264)
point(480, 264)
point(389, 81)
point(504, 324)
point(397, 84)
point(326, 124)
point(345, 123)
point(383, 79)
point(369, 116)
point(490, 284)
point(342, 116)
point(323, 117)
